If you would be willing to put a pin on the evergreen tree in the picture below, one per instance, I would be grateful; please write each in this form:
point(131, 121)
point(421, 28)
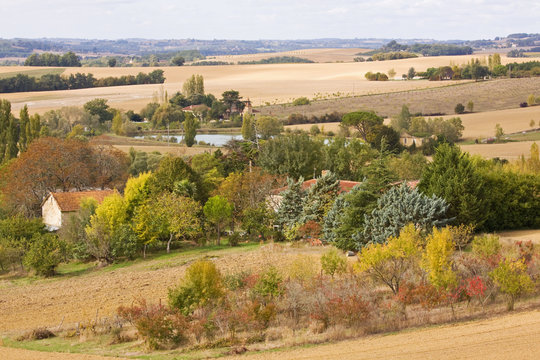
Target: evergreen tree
point(334, 220)
point(319, 198)
point(346, 218)
point(291, 205)
point(33, 128)
point(453, 177)
point(190, 129)
point(398, 207)
point(24, 120)
point(12, 139)
point(5, 116)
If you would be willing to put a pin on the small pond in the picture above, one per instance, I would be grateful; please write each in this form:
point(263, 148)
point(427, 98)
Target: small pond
point(211, 139)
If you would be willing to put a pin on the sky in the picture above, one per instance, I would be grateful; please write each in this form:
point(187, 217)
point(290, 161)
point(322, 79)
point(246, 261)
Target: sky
point(276, 19)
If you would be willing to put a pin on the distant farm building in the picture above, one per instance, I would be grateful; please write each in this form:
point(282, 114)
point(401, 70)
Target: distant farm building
point(58, 206)
point(408, 140)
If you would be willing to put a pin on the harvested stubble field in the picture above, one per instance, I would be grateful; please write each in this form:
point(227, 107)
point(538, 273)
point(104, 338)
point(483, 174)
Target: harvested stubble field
point(509, 151)
point(477, 125)
point(274, 83)
point(316, 55)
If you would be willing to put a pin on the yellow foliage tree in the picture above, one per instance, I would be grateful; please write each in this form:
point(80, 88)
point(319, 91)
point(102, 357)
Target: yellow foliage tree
point(512, 279)
point(437, 259)
point(389, 262)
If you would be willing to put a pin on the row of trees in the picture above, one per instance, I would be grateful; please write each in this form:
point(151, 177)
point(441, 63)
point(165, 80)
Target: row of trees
point(69, 59)
point(50, 82)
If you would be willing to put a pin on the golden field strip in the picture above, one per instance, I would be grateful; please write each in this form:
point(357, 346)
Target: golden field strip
point(273, 83)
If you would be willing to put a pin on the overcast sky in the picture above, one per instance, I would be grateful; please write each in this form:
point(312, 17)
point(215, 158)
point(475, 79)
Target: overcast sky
point(276, 19)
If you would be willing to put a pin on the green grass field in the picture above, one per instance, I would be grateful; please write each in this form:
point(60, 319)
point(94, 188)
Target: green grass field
point(33, 73)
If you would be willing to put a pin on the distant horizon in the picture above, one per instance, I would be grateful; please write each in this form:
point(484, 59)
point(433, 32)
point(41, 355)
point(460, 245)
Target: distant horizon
point(258, 20)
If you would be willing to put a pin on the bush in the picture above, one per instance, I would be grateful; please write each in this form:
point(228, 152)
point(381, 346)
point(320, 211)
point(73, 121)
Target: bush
point(486, 246)
point(159, 326)
point(301, 101)
point(202, 284)
point(269, 284)
point(512, 279)
point(46, 252)
point(303, 268)
point(332, 263)
point(459, 109)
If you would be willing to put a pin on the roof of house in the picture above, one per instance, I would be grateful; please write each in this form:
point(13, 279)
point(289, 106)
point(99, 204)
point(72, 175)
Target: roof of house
point(195, 107)
point(344, 186)
point(71, 201)
point(411, 183)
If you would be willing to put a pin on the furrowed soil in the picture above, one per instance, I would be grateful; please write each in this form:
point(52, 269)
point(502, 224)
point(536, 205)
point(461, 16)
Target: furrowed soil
point(27, 304)
point(486, 96)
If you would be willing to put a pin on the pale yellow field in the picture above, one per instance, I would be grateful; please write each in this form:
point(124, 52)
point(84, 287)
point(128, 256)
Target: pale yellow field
point(477, 125)
point(276, 83)
point(317, 55)
point(482, 125)
point(509, 151)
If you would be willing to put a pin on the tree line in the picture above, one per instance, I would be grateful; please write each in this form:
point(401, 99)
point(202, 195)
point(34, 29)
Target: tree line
point(51, 82)
point(69, 59)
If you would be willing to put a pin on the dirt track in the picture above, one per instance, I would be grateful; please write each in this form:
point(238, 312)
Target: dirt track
point(514, 336)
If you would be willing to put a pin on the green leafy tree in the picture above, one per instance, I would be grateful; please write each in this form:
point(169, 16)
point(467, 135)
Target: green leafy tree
point(292, 155)
point(111, 62)
point(232, 101)
point(193, 87)
point(411, 73)
point(499, 132)
point(99, 107)
point(403, 120)
point(459, 109)
point(268, 126)
point(190, 129)
point(333, 263)
point(470, 106)
point(117, 124)
point(248, 128)
point(202, 284)
point(218, 211)
point(104, 242)
point(45, 253)
point(400, 206)
point(454, 177)
point(178, 60)
point(363, 121)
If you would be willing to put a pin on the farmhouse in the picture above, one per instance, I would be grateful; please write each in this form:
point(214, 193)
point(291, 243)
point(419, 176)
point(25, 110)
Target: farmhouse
point(407, 139)
point(58, 206)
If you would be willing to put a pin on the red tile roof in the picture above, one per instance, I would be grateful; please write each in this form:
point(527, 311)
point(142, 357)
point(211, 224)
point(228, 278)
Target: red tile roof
point(71, 201)
point(344, 186)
